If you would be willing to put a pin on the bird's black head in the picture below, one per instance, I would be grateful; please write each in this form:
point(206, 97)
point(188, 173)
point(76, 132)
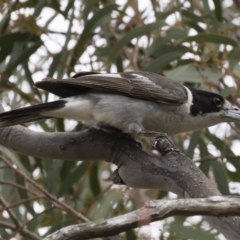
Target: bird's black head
point(205, 102)
point(213, 107)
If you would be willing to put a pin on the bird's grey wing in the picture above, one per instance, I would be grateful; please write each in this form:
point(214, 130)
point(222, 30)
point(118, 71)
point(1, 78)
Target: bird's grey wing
point(152, 86)
point(64, 87)
point(142, 85)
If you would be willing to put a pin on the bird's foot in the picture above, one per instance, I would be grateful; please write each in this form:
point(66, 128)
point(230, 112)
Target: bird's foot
point(160, 142)
point(116, 179)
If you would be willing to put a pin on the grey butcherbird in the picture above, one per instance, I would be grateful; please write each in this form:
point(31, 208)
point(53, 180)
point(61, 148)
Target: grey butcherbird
point(134, 102)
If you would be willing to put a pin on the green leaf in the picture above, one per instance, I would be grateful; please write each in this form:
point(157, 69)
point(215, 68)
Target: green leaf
point(18, 37)
point(235, 54)
point(23, 194)
point(189, 73)
point(223, 148)
point(162, 61)
point(204, 166)
point(94, 181)
point(119, 64)
point(218, 9)
point(233, 176)
point(55, 64)
point(206, 6)
point(193, 143)
point(220, 177)
point(157, 43)
point(7, 175)
point(194, 25)
point(162, 194)
point(176, 33)
point(210, 37)
point(14, 159)
point(89, 27)
point(4, 23)
point(236, 69)
point(88, 6)
point(23, 57)
point(63, 56)
point(60, 124)
point(72, 178)
point(39, 6)
point(52, 168)
point(163, 15)
point(183, 232)
point(66, 169)
point(226, 92)
point(5, 50)
point(130, 235)
point(191, 15)
point(163, 49)
point(134, 33)
point(30, 80)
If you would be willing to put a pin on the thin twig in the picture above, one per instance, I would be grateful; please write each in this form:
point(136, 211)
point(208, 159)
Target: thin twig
point(10, 212)
point(216, 158)
point(46, 193)
point(21, 202)
point(17, 186)
point(24, 232)
point(28, 221)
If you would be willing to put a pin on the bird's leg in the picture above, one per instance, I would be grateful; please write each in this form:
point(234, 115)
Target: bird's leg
point(160, 141)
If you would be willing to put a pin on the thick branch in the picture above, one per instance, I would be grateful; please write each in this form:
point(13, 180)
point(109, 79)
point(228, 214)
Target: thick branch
point(154, 210)
point(174, 172)
point(66, 146)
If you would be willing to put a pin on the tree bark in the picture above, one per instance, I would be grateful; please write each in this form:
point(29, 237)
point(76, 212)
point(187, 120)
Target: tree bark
point(154, 210)
point(174, 172)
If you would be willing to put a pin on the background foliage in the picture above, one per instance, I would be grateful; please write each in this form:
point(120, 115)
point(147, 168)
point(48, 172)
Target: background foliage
point(193, 42)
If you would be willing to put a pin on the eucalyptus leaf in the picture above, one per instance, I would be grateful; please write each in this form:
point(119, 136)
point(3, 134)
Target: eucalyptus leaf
point(162, 61)
point(189, 73)
point(91, 24)
point(72, 178)
point(94, 181)
point(137, 32)
point(220, 176)
point(213, 38)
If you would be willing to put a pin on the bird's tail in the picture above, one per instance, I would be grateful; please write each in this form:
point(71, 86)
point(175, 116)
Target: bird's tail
point(29, 114)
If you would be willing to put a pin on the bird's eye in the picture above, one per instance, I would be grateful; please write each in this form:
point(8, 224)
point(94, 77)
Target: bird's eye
point(217, 101)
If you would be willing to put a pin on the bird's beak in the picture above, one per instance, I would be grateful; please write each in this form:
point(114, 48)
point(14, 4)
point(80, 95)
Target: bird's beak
point(233, 113)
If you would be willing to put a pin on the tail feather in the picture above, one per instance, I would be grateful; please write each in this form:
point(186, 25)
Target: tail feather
point(29, 114)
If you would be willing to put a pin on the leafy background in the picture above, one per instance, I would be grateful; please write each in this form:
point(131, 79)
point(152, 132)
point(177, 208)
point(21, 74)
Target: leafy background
point(195, 42)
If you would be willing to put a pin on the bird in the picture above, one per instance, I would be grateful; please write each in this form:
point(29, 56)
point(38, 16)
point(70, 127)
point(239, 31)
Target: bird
point(140, 103)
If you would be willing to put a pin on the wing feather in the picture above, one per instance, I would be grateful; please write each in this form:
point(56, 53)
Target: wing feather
point(142, 85)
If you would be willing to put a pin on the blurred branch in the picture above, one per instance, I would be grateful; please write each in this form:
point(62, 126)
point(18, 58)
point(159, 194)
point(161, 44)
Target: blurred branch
point(10, 212)
point(24, 232)
point(154, 210)
point(216, 158)
point(33, 218)
point(237, 3)
point(16, 224)
point(18, 186)
point(51, 197)
point(21, 202)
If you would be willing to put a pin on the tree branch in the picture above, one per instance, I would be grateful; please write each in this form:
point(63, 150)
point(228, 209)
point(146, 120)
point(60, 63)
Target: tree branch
point(174, 172)
point(154, 210)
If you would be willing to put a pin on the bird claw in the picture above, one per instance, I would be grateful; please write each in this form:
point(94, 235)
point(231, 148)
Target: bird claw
point(163, 144)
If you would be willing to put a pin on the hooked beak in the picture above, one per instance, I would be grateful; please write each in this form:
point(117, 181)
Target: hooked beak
point(233, 113)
